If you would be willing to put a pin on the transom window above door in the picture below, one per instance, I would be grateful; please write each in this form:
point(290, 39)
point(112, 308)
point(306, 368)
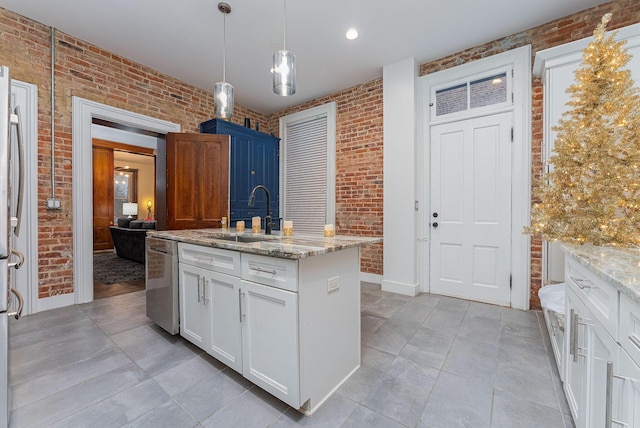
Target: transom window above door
point(474, 94)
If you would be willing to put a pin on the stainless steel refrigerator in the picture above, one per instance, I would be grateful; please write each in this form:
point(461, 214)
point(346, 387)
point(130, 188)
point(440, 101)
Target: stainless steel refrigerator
point(10, 298)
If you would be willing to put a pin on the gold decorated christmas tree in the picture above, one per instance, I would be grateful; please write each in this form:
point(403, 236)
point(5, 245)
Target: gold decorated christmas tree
point(592, 192)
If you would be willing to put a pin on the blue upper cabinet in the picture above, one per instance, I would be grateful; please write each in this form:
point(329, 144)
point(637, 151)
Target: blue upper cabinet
point(254, 160)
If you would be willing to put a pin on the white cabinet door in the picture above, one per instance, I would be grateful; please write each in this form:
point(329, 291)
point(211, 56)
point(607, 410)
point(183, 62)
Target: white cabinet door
point(626, 408)
point(223, 300)
point(193, 314)
point(575, 382)
point(603, 350)
point(270, 341)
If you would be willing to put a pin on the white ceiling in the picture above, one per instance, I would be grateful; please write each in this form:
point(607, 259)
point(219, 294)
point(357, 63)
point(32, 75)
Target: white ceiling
point(184, 38)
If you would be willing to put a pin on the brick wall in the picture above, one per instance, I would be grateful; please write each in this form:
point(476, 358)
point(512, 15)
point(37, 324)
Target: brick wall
point(359, 193)
point(89, 72)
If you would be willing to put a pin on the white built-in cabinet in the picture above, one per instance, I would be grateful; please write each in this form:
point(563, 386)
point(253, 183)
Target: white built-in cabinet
point(556, 67)
point(292, 327)
point(602, 348)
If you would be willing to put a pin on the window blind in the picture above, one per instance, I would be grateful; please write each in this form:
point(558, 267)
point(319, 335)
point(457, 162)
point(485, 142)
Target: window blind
point(305, 165)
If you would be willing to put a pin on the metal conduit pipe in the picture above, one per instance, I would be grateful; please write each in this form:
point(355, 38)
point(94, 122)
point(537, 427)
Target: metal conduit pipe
point(53, 203)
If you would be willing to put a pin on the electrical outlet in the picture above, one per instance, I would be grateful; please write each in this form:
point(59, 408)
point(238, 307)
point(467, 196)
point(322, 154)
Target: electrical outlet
point(333, 284)
point(53, 204)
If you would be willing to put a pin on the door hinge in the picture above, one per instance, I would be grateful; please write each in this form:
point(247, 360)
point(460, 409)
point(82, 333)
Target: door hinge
point(416, 205)
point(512, 134)
point(510, 282)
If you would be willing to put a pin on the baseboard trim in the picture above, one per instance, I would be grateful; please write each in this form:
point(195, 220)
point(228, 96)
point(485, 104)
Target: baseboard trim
point(370, 277)
point(55, 302)
point(400, 288)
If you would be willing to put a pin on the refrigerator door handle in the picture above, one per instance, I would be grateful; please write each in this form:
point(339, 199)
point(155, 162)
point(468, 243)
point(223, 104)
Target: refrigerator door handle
point(18, 295)
point(17, 121)
point(19, 263)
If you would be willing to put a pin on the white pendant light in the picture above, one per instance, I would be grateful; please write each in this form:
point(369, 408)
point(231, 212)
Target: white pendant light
point(223, 91)
point(284, 66)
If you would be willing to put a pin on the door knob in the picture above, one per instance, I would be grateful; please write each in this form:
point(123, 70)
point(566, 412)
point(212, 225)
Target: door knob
point(434, 224)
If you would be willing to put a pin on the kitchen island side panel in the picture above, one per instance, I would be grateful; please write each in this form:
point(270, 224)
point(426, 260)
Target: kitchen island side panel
point(329, 319)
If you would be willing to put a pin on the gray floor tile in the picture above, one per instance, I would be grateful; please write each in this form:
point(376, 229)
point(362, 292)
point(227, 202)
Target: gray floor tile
point(167, 415)
point(510, 410)
point(480, 328)
point(359, 384)
point(119, 409)
point(364, 417)
point(146, 340)
point(402, 391)
point(428, 347)
point(470, 358)
point(255, 408)
point(212, 393)
point(66, 402)
point(458, 402)
point(186, 374)
point(66, 376)
point(333, 413)
point(375, 358)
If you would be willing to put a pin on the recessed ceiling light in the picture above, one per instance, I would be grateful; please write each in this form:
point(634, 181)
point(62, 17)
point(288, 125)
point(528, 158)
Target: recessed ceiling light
point(352, 34)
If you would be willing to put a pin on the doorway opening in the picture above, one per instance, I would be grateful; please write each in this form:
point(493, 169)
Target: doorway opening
point(123, 179)
point(84, 130)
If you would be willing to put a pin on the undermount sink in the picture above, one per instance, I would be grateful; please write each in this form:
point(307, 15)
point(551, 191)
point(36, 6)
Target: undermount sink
point(244, 238)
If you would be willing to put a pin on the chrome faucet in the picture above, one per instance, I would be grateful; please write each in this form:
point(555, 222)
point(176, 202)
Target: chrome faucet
point(267, 219)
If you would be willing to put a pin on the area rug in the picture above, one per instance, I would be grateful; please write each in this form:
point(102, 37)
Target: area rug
point(108, 268)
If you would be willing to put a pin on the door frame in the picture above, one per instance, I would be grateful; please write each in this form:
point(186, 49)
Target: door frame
point(519, 60)
point(83, 113)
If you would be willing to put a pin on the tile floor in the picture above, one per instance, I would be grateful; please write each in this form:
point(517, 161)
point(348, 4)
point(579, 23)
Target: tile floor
point(427, 361)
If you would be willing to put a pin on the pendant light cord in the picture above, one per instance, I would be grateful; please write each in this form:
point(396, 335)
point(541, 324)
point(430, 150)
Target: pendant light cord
point(224, 48)
point(284, 41)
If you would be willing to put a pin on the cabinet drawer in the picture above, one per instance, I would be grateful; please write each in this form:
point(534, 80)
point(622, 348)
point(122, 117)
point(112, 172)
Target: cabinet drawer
point(279, 273)
point(630, 327)
point(223, 261)
point(601, 298)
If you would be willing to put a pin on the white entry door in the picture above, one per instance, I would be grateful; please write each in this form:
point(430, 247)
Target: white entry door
point(471, 209)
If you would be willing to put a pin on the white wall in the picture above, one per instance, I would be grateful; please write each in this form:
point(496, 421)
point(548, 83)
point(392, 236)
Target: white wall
point(400, 119)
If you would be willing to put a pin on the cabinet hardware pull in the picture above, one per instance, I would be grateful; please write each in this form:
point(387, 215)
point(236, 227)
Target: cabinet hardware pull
point(204, 291)
point(635, 341)
point(271, 272)
point(609, 397)
point(18, 312)
point(572, 336)
point(198, 288)
point(582, 283)
point(20, 261)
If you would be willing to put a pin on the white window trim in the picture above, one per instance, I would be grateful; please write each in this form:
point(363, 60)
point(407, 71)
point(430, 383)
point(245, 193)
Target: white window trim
point(329, 111)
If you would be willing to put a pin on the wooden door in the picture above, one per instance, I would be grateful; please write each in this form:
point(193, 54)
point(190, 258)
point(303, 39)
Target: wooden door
point(471, 209)
point(197, 180)
point(102, 197)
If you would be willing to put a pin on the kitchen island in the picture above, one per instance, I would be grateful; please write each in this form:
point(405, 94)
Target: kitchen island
point(282, 311)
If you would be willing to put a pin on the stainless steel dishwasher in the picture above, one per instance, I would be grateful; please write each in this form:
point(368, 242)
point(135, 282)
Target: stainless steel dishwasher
point(162, 283)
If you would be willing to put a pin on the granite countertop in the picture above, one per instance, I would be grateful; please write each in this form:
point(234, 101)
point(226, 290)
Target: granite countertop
point(286, 247)
point(618, 267)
